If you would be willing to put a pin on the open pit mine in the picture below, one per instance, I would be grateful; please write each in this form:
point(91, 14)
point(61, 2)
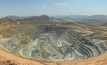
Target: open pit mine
point(52, 41)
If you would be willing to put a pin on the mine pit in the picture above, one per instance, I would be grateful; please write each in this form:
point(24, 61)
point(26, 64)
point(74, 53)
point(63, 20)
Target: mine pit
point(50, 43)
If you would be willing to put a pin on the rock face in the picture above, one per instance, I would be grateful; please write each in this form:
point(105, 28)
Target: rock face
point(77, 46)
point(54, 45)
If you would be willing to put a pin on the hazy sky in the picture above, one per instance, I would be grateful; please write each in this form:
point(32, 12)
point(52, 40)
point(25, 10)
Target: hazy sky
point(52, 7)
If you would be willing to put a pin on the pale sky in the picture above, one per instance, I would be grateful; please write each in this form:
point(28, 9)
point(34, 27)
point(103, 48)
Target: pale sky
point(52, 7)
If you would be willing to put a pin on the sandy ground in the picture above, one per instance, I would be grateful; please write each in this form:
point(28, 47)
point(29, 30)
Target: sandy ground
point(10, 59)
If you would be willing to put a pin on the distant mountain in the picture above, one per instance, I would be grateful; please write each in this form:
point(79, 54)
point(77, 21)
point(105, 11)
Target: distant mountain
point(82, 17)
point(70, 17)
point(94, 19)
point(19, 17)
point(15, 17)
point(45, 19)
point(73, 17)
